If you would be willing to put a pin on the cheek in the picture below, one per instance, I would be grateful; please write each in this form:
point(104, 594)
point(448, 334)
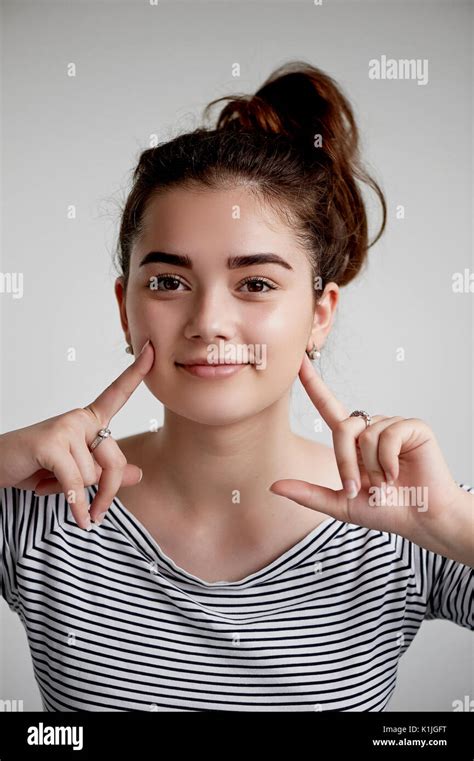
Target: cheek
point(288, 325)
point(146, 317)
point(284, 333)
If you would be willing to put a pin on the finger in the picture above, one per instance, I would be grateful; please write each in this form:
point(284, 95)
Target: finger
point(331, 409)
point(113, 462)
point(345, 435)
point(112, 399)
point(90, 468)
point(108, 454)
point(320, 498)
point(66, 471)
point(369, 448)
point(131, 475)
point(30, 483)
point(390, 445)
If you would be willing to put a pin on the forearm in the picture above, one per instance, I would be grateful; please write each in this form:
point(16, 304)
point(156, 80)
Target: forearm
point(458, 534)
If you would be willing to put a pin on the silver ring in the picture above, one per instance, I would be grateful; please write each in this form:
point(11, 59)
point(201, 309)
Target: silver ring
point(104, 433)
point(365, 415)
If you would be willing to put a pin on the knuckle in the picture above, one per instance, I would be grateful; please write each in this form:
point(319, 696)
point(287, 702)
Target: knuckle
point(81, 415)
point(71, 426)
point(419, 423)
point(389, 434)
point(416, 422)
point(90, 414)
point(47, 454)
point(118, 460)
point(57, 427)
point(112, 471)
point(65, 426)
point(367, 436)
point(340, 427)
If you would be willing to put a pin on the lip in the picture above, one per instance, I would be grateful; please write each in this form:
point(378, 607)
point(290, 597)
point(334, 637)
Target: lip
point(213, 371)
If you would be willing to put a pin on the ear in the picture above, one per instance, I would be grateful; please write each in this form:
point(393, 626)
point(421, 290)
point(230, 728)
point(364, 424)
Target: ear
point(120, 296)
point(324, 314)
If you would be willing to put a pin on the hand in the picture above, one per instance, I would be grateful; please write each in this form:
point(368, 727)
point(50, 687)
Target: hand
point(59, 448)
point(398, 456)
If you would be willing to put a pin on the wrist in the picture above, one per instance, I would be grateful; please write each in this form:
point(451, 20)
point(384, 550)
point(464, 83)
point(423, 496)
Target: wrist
point(458, 532)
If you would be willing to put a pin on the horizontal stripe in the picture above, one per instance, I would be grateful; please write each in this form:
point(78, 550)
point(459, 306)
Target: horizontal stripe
point(114, 624)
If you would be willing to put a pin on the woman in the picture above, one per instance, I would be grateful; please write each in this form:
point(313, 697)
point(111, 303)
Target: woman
point(196, 587)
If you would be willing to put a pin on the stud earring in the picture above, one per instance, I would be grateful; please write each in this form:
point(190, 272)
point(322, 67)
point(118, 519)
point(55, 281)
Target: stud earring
point(129, 349)
point(314, 352)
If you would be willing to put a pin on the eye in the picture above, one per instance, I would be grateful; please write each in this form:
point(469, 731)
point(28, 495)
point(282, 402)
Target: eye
point(168, 279)
point(261, 281)
point(171, 283)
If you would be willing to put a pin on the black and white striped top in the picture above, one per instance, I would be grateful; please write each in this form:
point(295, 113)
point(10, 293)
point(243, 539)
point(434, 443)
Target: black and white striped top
point(113, 624)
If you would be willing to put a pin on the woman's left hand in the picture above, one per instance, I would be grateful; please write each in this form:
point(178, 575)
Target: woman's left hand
point(395, 456)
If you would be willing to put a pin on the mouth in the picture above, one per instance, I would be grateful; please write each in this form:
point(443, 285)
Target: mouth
point(212, 371)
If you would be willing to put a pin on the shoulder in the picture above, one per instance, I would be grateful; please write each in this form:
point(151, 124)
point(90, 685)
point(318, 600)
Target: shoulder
point(19, 507)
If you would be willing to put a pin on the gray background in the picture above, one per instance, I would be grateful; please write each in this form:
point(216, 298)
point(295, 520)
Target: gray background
point(144, 70)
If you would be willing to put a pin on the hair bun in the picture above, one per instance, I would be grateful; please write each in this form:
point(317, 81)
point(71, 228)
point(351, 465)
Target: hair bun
point(302, 103)
point(318, 195)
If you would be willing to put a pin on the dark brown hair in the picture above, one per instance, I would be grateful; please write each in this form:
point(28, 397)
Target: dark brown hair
point(268, 142)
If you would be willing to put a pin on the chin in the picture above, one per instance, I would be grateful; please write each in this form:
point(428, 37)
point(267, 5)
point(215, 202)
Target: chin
point(209, 405)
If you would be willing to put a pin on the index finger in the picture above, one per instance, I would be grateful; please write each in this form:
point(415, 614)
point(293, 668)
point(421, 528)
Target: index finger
point(110, 401)
point(331, 409)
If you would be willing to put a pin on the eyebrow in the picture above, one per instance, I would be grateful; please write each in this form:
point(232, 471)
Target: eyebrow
point(233, 262)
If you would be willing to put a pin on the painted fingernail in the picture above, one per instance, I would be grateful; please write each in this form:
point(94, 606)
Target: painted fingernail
point(100, 518)
point(350, 487)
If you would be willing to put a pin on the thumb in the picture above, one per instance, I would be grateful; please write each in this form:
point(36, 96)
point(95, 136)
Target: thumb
point(132, 475)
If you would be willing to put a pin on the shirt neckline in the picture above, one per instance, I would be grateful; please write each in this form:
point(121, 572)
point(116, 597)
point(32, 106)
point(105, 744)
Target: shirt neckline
point(136, 531)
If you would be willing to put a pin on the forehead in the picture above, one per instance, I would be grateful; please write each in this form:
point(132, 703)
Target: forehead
point(214, 221)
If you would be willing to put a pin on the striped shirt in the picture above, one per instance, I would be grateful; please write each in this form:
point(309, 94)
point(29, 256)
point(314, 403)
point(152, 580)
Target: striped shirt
point(113, 624)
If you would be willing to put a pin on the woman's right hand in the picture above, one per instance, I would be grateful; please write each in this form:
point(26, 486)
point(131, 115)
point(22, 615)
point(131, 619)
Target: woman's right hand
point(58, 448)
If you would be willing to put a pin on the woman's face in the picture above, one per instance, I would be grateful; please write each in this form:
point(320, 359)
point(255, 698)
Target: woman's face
point(208, 312)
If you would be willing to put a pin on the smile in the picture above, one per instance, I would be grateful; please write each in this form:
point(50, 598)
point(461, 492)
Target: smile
point(212, 371)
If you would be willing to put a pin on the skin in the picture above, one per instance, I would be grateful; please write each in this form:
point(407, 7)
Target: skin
point(210, 450)
point(234, 432)
point(232, 436)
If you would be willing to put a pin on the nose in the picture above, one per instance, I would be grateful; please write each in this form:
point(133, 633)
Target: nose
point(211, 317)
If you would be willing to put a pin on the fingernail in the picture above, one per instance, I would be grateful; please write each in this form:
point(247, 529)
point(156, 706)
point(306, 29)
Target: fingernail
point(141, 475)
point(88, 525)
point(100, 518)
point(144, 347)
point(350, 487)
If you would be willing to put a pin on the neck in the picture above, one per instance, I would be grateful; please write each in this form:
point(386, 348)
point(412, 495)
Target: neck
point(209, 469)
